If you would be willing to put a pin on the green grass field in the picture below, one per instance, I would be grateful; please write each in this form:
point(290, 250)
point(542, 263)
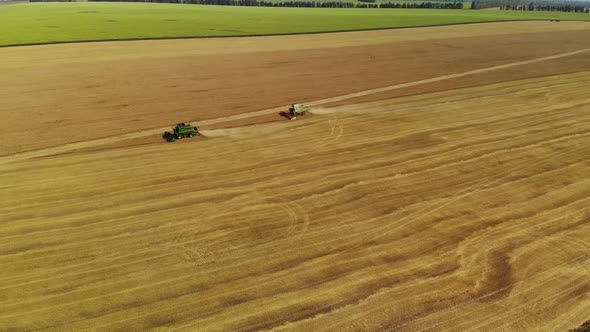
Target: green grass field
point(34, 23)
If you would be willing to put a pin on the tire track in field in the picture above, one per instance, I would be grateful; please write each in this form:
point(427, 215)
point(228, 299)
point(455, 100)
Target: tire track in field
point(148, 132)
point(465, 192)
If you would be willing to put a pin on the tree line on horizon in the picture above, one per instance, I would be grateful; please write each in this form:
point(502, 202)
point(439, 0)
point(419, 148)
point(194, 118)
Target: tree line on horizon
point(437, 4)
point(547, 8)
point(539, 5)
point(303, 4)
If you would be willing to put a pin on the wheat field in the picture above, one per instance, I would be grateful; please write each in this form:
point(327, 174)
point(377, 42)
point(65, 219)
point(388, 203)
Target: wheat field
point(461, 210)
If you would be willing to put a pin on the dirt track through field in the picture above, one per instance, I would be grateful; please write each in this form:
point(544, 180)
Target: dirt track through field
point(446, 211)
point(204, 123)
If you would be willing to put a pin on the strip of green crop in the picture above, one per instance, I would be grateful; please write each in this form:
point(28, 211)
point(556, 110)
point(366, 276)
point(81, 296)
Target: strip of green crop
point(39, 23)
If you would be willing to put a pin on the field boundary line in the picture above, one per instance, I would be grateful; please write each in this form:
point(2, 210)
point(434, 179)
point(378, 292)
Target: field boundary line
point(143, 133)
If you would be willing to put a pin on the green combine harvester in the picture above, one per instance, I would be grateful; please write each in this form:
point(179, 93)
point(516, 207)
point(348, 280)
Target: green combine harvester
point(181, 130)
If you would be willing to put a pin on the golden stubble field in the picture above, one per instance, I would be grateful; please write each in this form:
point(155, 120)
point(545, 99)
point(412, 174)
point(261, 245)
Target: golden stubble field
point(461, 210)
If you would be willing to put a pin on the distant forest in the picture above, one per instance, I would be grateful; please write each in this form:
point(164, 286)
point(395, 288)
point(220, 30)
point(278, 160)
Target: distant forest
point(578, 6)
point(537, 5)
point(309, 4)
